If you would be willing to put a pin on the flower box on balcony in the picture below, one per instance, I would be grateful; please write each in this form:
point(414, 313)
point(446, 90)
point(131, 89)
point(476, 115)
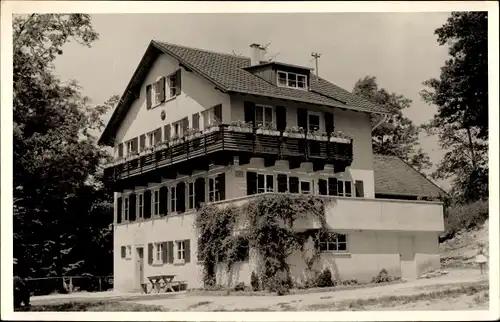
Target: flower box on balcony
point(339, 140)
point(242, 129)
point(211, 129)
point(268, 132)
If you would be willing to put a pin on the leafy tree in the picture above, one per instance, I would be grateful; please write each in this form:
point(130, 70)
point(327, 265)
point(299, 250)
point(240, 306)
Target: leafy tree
point(398, 136)
point(461, 97)
point(61, 210)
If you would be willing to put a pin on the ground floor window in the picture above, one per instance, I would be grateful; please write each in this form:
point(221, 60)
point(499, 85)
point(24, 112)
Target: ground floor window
point(344, 188)
point(173, 199)
point(191, 195)
point(333, 243)
point(305, 187)
point(265, 183)
point(181, 250)
point(157, 251)
point(125, 208)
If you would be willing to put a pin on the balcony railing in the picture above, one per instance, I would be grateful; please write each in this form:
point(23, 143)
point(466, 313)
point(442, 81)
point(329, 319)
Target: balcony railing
point(235, 141)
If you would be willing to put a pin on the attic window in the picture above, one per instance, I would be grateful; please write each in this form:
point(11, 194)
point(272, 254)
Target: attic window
point(292, 80)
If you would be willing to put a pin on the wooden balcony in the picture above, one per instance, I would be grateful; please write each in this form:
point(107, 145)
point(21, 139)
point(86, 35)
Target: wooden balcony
point(223, 144)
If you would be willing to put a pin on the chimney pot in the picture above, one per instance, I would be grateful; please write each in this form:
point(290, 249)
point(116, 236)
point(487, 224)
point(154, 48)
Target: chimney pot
point(257, 54)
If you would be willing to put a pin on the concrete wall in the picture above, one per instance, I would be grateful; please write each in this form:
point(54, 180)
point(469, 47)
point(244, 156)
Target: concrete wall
point(197, 95)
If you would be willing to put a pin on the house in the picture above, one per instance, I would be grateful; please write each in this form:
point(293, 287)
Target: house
point(181, 137)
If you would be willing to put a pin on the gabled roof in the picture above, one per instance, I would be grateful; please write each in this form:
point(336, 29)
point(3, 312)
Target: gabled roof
point(227, 72)
point(393, 176)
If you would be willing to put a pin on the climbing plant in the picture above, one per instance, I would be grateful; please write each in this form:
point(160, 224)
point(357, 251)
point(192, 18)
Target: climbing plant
point(266, 223)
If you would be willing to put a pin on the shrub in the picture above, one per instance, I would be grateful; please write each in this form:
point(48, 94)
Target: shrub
point(254, 281)
point(382, 277)
point(279, 283)
point(325, 279)
point(240, 286)
point(350, 282)
point(465, 216)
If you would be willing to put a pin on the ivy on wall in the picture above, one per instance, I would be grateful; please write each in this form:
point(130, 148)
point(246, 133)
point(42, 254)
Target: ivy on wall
point(265, 224)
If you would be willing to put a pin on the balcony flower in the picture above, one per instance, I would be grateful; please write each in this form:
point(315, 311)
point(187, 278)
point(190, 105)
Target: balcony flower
point(294, 132)
point(340, 137)
point(240, 126)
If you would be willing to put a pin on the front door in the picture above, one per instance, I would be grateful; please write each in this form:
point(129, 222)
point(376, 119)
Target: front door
point(407, 258)
point(139, 267)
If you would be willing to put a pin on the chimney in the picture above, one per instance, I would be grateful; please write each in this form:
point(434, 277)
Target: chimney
point(257, 53)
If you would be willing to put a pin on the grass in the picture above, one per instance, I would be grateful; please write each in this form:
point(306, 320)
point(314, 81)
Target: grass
point(94, 306)
point(201, 303)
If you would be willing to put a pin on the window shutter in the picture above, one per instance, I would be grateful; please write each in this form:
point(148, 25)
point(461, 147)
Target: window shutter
point(302, 118)
point(124, 251)
point(142, 142)
point(181, 197)
point(187, 249)
point(294, 185)
point(170, 252)
point(221, 182)
point(329, 125)
point(167, 131)
point(119, 210)
point(178, 82)
point(120, 150)
point(360, 192)
point(132, 199)
point(157, 135)
point(249, 108)
point(196, 121)
point(218, 112)
point(251, 183)
point(163, 201)
point(162, 89)
point(147, 204)
point(323, 187)
point(148, 96)
point(164, 253)
point(332, 186)
point(199, 191)
point(280, 118)
point(282, 182)
point(150, 253)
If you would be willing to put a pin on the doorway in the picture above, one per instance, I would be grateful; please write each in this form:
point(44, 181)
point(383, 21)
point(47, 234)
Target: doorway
point(139, 267)
point(407, 258)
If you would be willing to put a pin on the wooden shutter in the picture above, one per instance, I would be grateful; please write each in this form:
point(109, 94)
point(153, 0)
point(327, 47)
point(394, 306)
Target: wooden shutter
point(187, 251)
point(119, 210)
point(294, 185)
point(199, 191)
point(280, 118)
point(332, 186)
point(170, 252)
point(120, 150)
point(251, 183)
point(302, 118)
point(142, 142)
point(157, 135)
point(221, 185)
point(131, 205)
point(150, 253)
point(196, 121)
point(323, 187)
point(162, 89)
point(164, 253)
point(218, 112)
point(167, 131)
point(163, 201)
point(148, 97)
point(360, 192)
point(147, 204)
point(180, 190)
point(178, 81)
point(249, 108)
point(124, 251)
point(329, 125)
point(282, 182)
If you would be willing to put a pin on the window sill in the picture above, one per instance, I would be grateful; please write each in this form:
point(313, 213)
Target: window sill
point(336, 254)
point(128, 258)
point(179, 262)
point(157, 263)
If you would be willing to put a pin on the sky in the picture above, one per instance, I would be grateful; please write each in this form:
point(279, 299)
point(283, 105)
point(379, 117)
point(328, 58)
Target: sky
point(400, 49)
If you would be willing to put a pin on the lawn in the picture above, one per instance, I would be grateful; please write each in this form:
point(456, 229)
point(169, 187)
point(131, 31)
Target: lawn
point(94, 306)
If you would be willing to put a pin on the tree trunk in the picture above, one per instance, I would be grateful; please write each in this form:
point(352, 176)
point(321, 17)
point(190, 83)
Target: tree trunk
point(471, 147)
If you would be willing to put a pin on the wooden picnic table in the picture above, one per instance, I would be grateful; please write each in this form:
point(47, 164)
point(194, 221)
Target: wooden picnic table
point(161, 282)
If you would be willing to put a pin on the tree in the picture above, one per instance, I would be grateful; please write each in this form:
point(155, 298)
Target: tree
point(398, 136)
point(62, 211)
point(461, 97)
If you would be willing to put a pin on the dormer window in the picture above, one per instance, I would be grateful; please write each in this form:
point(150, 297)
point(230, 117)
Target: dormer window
point(292, 80)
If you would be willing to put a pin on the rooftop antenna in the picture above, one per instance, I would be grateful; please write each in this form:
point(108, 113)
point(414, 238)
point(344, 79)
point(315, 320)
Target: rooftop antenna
point(316, 56)
point(272, 57)
point(239, 55)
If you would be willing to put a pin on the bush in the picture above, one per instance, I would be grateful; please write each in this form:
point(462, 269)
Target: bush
point(382, 277)
point(350, 282)
point(468, 216)
point(325, 279)
point(279, 283)
point(254, 281)
point(240, 287)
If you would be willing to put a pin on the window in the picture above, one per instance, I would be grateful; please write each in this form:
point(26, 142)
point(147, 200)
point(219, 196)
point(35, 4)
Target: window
point(155, 202)
point(130, 147)
point(140, 205)
point(313, 122)
point(129, 252)
point(263, 115)
point(125, 208)
point(305, 187)
point(181, 250)
point(213, 191)
point(293, 80)
point(173, 199)
point(333, 243)
point(191, 195)
point(151, 139)
point(172, 84)
point(265, 183)
point(158, 250)
point(212, 116)
point(157, 87)
point(344, 188)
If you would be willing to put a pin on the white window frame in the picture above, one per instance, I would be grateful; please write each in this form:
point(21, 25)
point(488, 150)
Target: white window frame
point(311, 191)
point(265, 122)
point(140, 205)
point(129, 146)
point(171, 87)
point(128, 252)
point(288, 74)
point(319, 115)
point(155, 201)
point(191, 195)
point(157, 253)
point(333, 246)
point(266, 189)
point(208, 117)
point(173, 199)
point(213, 192)
point(126, 206)
point(180, 251)
point(177, 129)
point(151, 139)
point(344, 185)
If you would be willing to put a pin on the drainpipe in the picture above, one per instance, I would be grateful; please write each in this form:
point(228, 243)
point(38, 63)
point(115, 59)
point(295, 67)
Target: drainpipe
point(386, 117)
